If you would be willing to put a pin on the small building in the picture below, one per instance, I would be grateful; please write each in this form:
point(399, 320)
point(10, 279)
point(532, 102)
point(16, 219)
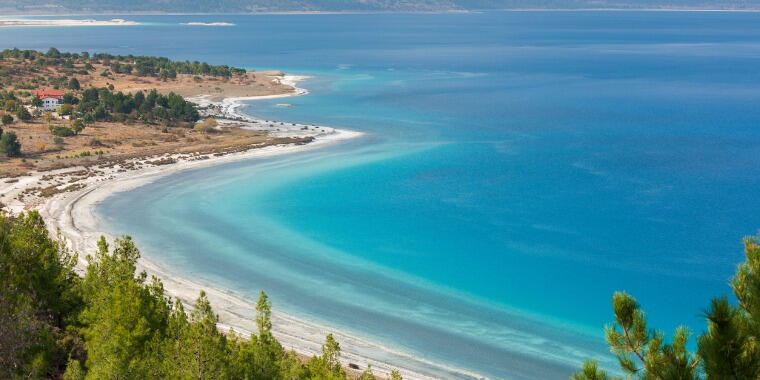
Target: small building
point(51, 99)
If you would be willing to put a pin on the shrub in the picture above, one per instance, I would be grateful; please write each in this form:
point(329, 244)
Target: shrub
point(10, 105)
point(7, 119)
point(69, 98)
point(9, 144)
point(78, 126)
point(73, 84)
point(61, 131)
point(23, 114)
point(58, 141)
point(207, 126)
point(64, 109)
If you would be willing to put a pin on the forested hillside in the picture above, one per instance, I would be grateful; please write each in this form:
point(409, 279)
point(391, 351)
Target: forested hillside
point(114, 323)
point(249, 6)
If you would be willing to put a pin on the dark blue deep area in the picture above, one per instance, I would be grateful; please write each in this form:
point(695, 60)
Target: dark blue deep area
point(533, 161)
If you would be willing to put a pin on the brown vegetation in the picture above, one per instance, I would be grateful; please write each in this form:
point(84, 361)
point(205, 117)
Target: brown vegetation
point(113, 141)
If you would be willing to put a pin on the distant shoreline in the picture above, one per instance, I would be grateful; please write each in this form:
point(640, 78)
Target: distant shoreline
point(15, 13)
point(16, 22)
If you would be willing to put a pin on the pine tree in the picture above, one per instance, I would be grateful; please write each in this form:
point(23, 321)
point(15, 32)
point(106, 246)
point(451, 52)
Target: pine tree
point(125, 318)
point(205, 353)
point(328, 365)
point(730, 347)
point(367, 374)
point(591, 371)
point(39, 298)
point(270, 350)
point(73, 84)
point(9, 144)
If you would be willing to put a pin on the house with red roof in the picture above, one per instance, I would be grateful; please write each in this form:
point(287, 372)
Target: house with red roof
point(51, 99)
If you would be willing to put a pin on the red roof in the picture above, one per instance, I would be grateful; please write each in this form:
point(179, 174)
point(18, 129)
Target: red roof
point(42, 94)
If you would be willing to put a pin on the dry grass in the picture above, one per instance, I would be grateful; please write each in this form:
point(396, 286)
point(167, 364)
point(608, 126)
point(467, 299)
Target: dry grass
point(117, 141)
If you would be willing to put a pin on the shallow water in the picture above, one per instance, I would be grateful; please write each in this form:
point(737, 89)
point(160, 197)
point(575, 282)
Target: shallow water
point(518, 168)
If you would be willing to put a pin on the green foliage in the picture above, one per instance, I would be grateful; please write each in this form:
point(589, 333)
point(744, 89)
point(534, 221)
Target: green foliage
point(61, 131)
point(124, 317)
point(144, 66)
point(731, 345)
point(116, 324)
point(199, 349)
point(23, 114)
point(69, 98)
point(327, 366)
point(38, 300)
point(74, 370)
point(590, 371)
point(64, 109)
point(103, 104)
point(73, 84)
point(10, 145)
point(726, 348)
point(641, 352)
point(729, 349)
point(53, 53)
point(77, 126)
point(367, 374)
point(7, 119)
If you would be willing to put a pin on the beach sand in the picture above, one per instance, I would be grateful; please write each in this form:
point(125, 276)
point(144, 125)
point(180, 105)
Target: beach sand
point(23, 22)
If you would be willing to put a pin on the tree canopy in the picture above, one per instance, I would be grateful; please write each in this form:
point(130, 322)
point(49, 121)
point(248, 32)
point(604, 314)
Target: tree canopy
point(9, 144)
point(114, 323)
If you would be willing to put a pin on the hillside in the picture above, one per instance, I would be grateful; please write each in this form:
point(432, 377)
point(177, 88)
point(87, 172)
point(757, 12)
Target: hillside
point(252, 6)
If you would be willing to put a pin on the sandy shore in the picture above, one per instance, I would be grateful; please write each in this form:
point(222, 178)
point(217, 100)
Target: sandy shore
point(72, 213)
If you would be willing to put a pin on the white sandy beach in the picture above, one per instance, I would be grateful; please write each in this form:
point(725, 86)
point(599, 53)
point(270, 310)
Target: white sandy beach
point(72, 213)
point(23, 22)
point(208, 23)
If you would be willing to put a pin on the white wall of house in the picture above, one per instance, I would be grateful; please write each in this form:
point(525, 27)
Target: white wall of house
point(50, 104)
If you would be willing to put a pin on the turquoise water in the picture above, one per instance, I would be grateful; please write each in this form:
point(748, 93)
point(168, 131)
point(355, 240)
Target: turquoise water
point(517, 169)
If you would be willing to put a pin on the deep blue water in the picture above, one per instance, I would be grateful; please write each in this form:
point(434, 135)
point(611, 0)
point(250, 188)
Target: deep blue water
point(518, 169)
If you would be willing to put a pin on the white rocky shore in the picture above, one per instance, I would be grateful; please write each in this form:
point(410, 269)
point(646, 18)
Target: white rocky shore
point(31, 22)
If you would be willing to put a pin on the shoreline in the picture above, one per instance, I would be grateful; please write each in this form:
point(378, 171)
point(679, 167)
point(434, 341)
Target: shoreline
point(20, 22)
point(11, 13)
point(72, 214)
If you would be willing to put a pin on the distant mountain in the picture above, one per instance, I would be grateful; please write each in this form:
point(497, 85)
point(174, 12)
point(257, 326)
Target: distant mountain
point(251, 6)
